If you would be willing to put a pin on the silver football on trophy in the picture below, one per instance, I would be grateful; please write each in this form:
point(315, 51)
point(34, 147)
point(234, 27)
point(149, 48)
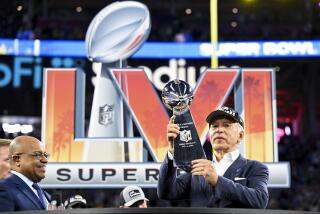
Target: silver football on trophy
point(117, 31)
point(177, 95)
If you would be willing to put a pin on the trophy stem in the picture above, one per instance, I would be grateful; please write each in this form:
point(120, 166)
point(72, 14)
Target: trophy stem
point(187, 145)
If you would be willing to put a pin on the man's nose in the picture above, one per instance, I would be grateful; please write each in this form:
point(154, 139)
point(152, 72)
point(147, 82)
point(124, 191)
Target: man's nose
point(219, 129)
point(44, 160)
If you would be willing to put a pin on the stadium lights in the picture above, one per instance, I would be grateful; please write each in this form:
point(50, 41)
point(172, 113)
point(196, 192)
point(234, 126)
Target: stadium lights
point(287, 130)
point(19, 8)
point(79, 9)
point(16, 128)
point(188, 11)
point(235, 10)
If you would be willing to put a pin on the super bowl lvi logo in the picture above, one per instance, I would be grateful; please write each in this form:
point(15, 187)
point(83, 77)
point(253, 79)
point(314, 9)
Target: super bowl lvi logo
point(106, 114)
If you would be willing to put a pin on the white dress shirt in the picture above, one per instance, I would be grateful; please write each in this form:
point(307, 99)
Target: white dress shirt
point(222, 165)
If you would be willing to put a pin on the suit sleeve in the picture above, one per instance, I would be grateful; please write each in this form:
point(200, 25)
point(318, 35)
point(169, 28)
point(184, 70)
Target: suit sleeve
point(254, 194)
point(6, 202)
point(171, 186)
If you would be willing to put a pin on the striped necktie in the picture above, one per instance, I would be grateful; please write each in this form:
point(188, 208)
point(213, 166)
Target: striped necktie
point(40, 194)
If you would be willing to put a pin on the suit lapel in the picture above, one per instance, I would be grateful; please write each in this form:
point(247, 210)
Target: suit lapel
point(25, 189)
point(235, 168)
point(233, 171)
point(48, 196)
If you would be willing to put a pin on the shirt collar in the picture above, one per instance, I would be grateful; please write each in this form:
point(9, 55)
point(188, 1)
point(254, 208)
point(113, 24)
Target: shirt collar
point(230, 156)
point(24, 178)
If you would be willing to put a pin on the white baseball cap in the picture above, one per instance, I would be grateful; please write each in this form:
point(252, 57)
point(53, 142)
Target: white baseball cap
point(130, 195)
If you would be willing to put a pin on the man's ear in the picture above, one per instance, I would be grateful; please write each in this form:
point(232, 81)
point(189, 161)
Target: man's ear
point(241, 135)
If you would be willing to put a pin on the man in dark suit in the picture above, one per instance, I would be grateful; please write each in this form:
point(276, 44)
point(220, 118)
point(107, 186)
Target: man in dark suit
point(4, 160)
point(20, 190)
point(228, 181)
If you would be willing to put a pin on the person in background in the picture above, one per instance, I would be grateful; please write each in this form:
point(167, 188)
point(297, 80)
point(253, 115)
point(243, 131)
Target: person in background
point(75, 202)
point(133, 196)
point(4, 158)
point(28, 161)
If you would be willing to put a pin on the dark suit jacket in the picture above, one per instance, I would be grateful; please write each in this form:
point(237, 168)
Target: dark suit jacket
point(244, 184)
point(16, 195)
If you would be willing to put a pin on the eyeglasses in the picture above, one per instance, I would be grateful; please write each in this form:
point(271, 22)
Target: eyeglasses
point(36, 155)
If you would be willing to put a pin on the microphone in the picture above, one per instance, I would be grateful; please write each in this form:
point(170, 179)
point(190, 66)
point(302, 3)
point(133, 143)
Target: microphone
point(56, 199)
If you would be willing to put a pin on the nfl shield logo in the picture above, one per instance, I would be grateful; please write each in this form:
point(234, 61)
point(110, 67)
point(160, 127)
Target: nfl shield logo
point(106, 114)
point(185, 135)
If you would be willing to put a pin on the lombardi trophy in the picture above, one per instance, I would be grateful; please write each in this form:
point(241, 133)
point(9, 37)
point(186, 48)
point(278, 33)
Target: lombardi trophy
point(115, 34)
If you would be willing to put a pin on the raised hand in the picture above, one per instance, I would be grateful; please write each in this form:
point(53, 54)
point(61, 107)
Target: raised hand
point(172, 133)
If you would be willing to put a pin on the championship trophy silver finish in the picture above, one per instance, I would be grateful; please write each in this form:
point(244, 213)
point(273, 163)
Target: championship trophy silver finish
point(177, 96)
point(114, 35)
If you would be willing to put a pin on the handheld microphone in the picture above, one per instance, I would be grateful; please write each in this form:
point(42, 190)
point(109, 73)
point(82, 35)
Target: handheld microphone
point(56, 199)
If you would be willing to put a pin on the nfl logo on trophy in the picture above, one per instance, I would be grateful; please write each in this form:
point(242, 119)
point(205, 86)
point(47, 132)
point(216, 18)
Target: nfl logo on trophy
point(106, 114)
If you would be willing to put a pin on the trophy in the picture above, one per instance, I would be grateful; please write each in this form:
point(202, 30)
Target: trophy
point(115, 34)
point(177, 96)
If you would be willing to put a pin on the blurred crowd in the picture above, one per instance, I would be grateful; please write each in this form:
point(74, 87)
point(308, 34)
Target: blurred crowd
point(176, 21)
point(304, 158)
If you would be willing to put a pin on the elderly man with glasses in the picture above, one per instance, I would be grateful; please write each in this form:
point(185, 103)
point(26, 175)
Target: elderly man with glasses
point(20, 191)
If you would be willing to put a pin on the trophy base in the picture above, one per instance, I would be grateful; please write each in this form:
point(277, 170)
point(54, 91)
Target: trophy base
point(184, 166)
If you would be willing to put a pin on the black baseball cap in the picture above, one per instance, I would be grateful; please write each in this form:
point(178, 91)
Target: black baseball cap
point(225, 112)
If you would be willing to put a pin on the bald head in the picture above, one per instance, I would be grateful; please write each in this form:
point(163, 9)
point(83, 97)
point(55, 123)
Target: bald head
point(21, 143)
point(27, 156)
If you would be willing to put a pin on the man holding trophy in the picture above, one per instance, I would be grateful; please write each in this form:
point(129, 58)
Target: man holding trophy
point(229, 180)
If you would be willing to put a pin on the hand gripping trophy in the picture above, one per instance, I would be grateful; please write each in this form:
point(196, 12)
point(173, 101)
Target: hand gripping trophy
point(177, 96)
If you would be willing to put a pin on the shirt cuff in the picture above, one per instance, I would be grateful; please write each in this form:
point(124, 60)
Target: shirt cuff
point(170, 156)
